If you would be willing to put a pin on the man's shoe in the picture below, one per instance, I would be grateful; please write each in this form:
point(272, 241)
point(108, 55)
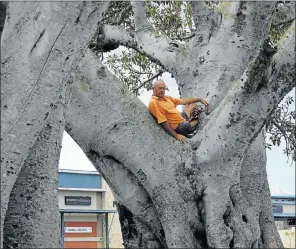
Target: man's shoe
point(190, 135)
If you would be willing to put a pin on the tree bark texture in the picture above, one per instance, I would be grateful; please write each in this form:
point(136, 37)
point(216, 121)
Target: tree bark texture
point(112, 147)
point(255, 190)
point(225, 45)
point(33, 211)
point(41, 44)
point(218, 202)
point(213, 191)
point(3, 6)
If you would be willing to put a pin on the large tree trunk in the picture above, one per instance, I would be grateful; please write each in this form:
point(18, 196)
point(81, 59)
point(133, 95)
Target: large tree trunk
point(3, 6)
point(33, 211)
point(255, 190)
point(126, 183)
point(220, 77)
point(195, 198)
point(41, 45)
point(196, 195)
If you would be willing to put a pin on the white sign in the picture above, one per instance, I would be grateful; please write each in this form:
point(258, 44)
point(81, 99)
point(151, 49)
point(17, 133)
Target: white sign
point(78, 229)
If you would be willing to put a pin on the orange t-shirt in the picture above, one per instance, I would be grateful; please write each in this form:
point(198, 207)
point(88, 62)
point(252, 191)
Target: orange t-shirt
point(164, 109)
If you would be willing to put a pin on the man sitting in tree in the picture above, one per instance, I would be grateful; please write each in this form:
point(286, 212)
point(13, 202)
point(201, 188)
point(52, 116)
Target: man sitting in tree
point(163, 108)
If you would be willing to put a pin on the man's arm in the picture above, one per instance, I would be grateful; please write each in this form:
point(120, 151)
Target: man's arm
point(171, 131)
point(187, 101)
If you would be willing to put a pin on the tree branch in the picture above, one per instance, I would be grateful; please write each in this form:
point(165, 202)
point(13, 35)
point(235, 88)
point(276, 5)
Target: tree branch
point(240, 120)
point(239, 40)
point(155, 45)
point(184, 38)
point(243, 114)
point(206, 20)
point(281, 74)
point(283, 132)
point(112, 139)
point(109, 37)
point(125, 187)
point(3, 7)
point(122, 15)
point(284, 13)
point(248, 15)
point(135, 71)
point(152, 78)
point(256, 74)
point(53, 80)
point(141, 20)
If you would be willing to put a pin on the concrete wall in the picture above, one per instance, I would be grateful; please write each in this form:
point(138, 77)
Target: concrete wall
point(115, 230)
point(288, 243)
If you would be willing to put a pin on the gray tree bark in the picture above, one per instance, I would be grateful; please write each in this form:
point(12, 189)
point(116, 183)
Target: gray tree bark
point(34, 197)
point(111, 147)
point(226, 219)
point(50, 39)
point(210, 192)
point(3, 6)
point(255, 189)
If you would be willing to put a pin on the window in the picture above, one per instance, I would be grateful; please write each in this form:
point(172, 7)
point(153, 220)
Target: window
point(291, 222)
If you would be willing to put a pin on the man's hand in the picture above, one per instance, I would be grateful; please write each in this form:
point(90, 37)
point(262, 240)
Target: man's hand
point(204, 101)
point(171, 131)
point(181, 138)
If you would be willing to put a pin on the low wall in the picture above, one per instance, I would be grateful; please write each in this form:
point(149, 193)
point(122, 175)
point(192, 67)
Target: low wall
point(288, 241)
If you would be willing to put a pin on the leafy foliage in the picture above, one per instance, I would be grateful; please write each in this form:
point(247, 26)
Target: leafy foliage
point(281, 125)
point(133, 69)
point(120, 13)
point(282, 22)
point(276, 32)
point(170, 18)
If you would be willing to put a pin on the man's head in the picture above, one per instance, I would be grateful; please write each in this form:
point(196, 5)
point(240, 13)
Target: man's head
point(159, 88)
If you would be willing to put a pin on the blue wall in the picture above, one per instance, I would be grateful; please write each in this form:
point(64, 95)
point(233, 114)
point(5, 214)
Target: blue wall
point(73, 180)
